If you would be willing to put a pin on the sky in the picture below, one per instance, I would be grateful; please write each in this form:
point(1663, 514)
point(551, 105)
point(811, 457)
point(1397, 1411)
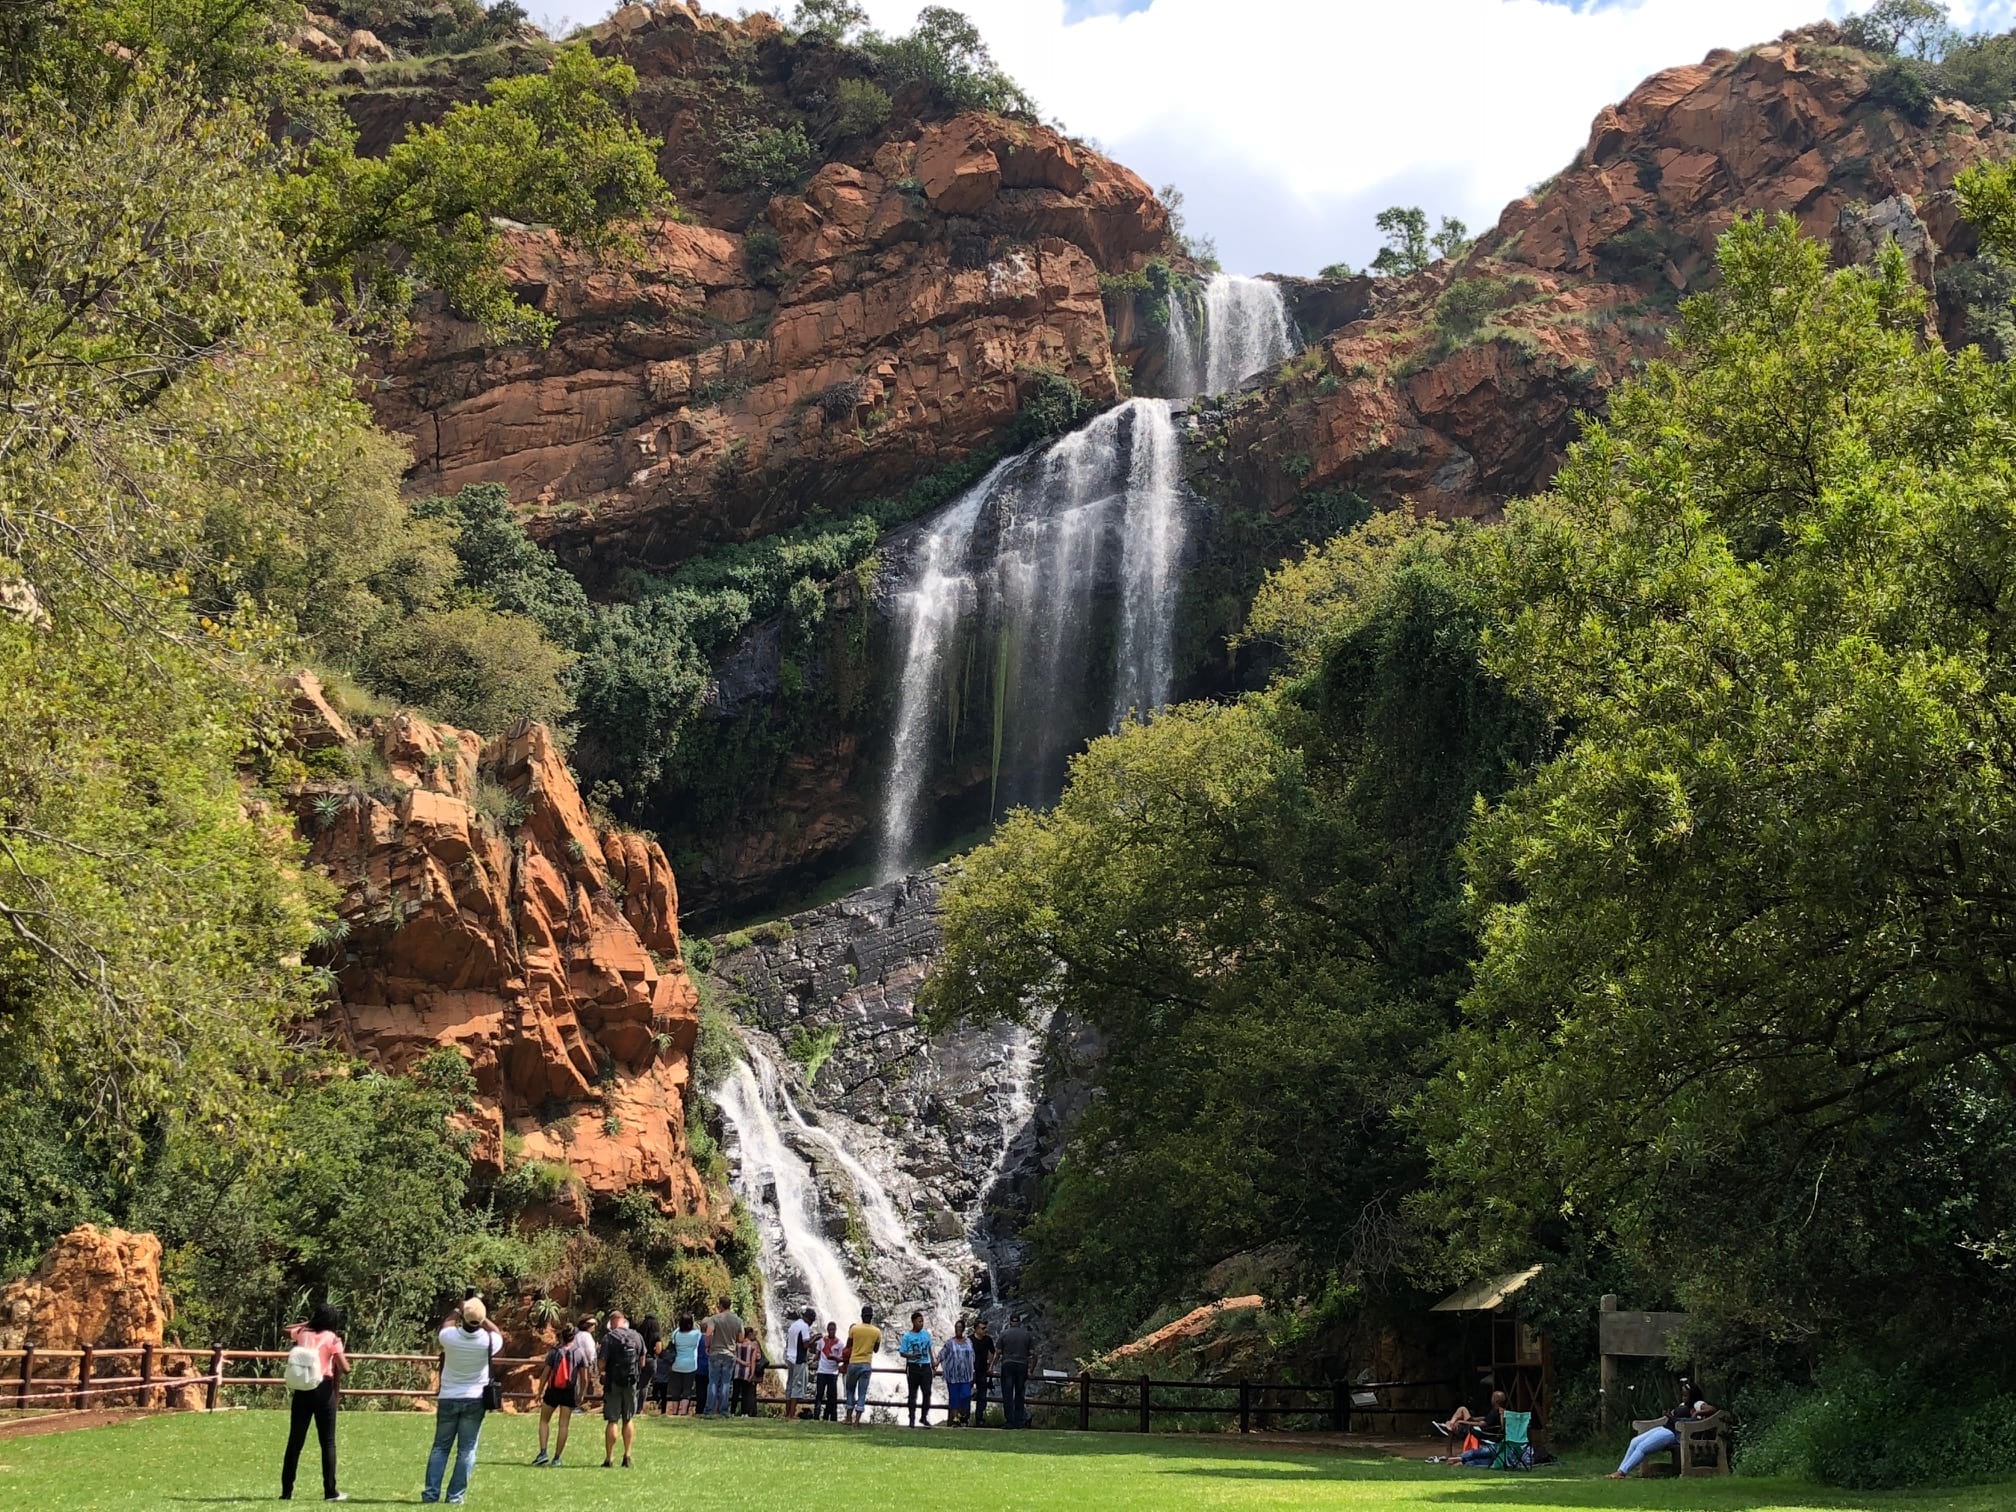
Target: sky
point(1288, 124)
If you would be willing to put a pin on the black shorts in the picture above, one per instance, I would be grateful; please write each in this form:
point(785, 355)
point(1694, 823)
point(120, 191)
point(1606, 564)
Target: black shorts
point(561, 1396)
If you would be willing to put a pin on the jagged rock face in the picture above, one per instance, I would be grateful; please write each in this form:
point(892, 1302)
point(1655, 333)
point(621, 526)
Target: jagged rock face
point(947, 1118)
point(760, 357)
point(1605, 248)
point(546, 951)
point(96, 1288)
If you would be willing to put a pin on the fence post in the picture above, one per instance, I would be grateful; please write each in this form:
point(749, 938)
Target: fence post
point(146, 1375)
point(27, 1374)
point(1340, 1406)
point(216, 1377)
point(83, 1378)
point(1245, 1407)
point(1084, 1399)
point(1144, 1402)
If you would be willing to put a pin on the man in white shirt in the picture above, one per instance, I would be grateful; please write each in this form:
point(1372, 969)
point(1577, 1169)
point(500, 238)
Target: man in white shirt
point(798, 1355)
point(468, 1343)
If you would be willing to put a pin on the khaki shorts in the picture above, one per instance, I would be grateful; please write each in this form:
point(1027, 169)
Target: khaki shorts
point(799, 1387)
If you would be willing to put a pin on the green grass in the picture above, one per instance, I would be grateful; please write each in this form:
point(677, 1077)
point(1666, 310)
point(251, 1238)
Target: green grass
point(232, 1459)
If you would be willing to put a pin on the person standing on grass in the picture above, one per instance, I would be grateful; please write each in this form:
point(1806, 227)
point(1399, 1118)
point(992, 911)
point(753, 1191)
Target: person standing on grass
point(313, 1365)
point(748, 1365)
point(622, 1375)
point(826, 1382)
point(863, 1339)
point(915, 1347)
point(1016, 1348)
point(724, 1332)
point(687, 1343)
point(468, 1343)
point(661, 1375)
point(983, 1368)
point(567, 1368)
point(955, 1363)
point(798, 1345)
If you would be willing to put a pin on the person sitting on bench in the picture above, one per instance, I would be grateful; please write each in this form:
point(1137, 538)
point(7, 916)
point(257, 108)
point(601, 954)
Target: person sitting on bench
point(1661, 1437)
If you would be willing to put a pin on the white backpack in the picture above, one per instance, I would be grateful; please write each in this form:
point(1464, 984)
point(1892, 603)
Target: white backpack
point(304, 1367)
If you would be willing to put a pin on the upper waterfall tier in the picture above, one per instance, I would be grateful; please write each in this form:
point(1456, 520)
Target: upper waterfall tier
point(1245, 331)
point(1037, 609)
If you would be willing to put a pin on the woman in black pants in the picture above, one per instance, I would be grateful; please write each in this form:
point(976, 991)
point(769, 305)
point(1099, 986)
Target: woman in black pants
point(313, 1404)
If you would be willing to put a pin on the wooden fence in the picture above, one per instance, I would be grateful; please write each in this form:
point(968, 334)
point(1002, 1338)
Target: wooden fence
point(154, 1377)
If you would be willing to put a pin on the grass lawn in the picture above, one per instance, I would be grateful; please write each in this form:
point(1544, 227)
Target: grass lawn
point(233, 1459)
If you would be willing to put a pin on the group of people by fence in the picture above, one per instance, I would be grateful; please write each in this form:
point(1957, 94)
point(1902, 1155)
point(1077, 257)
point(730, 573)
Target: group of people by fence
point(704, 1367)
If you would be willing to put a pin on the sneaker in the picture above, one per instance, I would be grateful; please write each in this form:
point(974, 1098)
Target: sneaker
point(626, 1462)
point(553, 1463)
point(542, 1459)
point(1441, 1428)
point(339, 1496)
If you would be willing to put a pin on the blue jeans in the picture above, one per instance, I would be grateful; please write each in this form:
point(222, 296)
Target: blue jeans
point(858, 1377)
point(453, 1420)
point(1650, 1442)
point(720, 1382)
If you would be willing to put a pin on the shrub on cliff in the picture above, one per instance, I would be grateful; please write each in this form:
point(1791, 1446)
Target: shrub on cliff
point(945, 52)
point(862, 107)
point(771, 159)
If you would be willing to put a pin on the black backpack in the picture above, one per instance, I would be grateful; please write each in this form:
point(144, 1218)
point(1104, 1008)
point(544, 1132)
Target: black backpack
point(622, 1361)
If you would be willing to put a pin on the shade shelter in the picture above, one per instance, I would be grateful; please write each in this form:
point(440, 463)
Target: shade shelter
point(1500, 1350)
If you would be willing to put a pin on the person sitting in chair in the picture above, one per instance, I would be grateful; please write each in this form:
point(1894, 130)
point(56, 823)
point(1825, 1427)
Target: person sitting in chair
point(1461, 1424)
point(1661, 1436)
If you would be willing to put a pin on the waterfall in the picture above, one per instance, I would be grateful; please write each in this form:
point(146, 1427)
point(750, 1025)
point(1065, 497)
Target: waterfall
point(929, 614)
point(1039, 561)
point(1246, 330)
point(778, 1185)
point(1152, 546)
point(1183, 369)
point(783, 1176)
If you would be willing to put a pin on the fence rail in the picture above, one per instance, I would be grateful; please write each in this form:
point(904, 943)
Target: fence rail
point(74, 1379)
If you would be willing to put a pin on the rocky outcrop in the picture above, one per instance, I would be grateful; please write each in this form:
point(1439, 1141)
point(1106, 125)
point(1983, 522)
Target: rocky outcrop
point(482, 908)
point(760, 356)
point(95, 1289)
point(1586, 272)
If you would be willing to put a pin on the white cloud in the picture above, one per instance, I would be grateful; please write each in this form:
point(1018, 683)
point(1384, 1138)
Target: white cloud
point(1289, 123)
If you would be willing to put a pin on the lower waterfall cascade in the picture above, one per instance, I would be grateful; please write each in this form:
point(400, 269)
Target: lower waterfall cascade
point(885, 1176)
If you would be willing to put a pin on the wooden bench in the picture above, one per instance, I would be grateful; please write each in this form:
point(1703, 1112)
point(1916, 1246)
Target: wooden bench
point(1703, 1446)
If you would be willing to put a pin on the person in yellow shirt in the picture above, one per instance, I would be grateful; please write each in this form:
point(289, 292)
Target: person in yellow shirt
point(863, 1339)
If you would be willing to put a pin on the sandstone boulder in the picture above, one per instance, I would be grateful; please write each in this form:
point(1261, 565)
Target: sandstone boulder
point(317, 45)
point(96, 1288)
point(364, 47)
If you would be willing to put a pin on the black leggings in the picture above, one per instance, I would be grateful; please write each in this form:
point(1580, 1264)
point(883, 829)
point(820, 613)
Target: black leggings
point(917, 1379)
point(319, 1407)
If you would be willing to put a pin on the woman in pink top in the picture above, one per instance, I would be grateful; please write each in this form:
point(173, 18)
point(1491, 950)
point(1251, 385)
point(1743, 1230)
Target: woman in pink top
point(317, 1405)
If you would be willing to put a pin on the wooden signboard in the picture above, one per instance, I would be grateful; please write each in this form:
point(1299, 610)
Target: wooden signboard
point(1640, 1334)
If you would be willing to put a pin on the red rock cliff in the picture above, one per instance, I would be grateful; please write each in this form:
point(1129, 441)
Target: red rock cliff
point(486, 911)
point(763, 356)
point(1590, 266)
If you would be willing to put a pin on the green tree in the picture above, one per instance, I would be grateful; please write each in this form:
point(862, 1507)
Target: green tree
point(1255, 907)
point(1910, 28)
point(1409, 246)
point(551, 147)
point(829, 20)
point(1745, 939)
point(946, 52)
